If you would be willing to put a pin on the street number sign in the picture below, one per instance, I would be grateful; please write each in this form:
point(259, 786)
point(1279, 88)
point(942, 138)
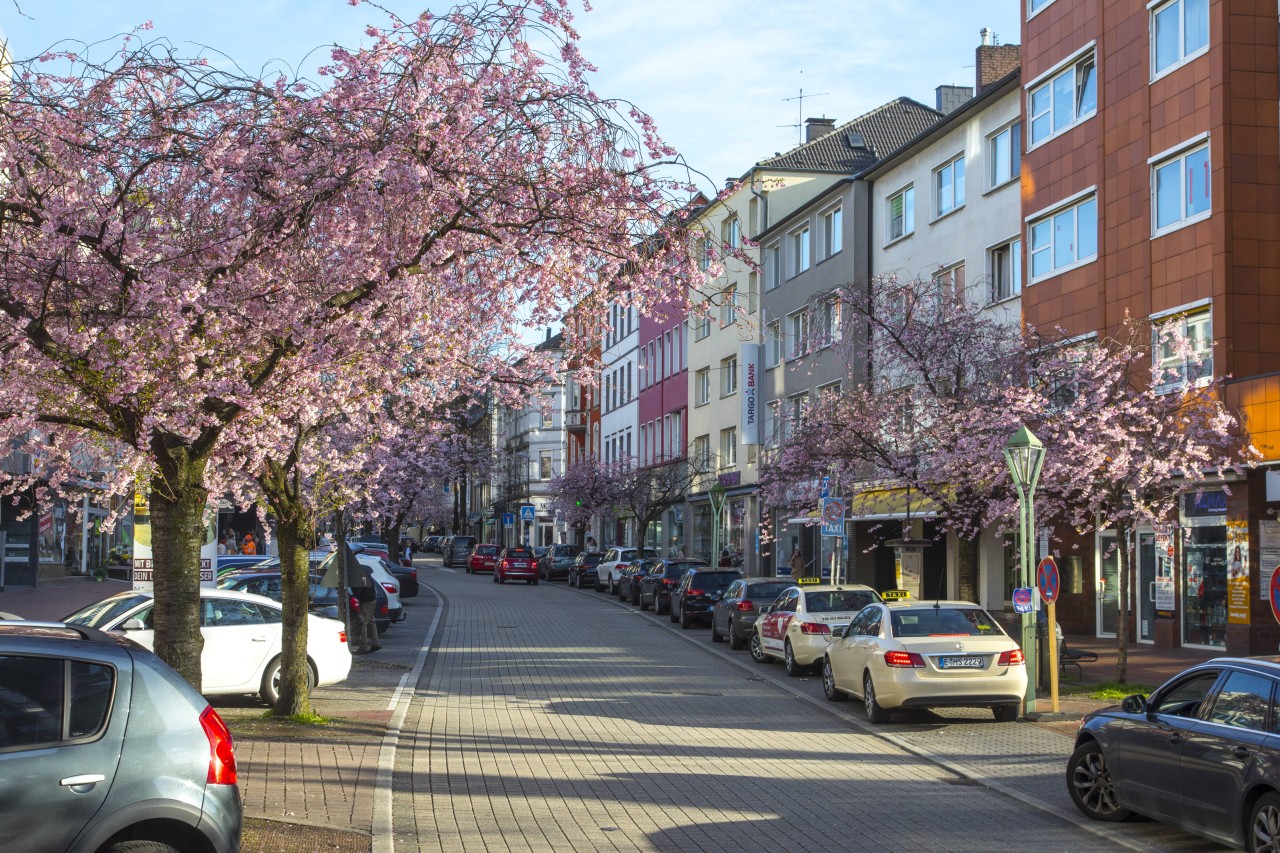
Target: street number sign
point(1047, 579)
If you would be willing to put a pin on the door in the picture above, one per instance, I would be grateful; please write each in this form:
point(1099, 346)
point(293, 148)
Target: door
point(1107, 599)
point(237, 642)
point(1146, 589)
point(777, 620)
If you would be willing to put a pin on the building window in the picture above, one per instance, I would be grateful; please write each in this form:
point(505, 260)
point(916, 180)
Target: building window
point(771, 423)
point(832, 232)
point(676, 438)
point(703, 385)
point(1006, 271)
point(702, 327)
point(729, 447)
point(827, 321)
point(948, 182)
point(728, 306)
point(1034, 6)
point(1064, 238)
point(732, 233)
point(949, 282)
point(772, 266)
point(1177, 366)
point(1005, 155)
point(1180, 189)
point(794, 415)
point(729, 376)
point(544, 465)
point(1179, 32)
point(703, 248)
point(902, 213)
point(702, 452)
point(772, 344)
point(798, 330)
point(828, 394)
point(800, 251)
point(1067, 98)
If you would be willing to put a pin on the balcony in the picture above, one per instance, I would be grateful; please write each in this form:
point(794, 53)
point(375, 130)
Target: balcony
point(575, 421)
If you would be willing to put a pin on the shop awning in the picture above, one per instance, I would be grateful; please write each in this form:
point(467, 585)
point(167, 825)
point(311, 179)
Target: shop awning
point(888, 504)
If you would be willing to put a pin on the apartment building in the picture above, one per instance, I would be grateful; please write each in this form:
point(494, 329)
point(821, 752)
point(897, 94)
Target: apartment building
point(1151, 187)
point(619, 406)
point(663, 408)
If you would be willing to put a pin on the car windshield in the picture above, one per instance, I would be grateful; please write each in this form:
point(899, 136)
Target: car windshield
point(837, 600)
point(103, 612)
point(565, 551)
point(487, 550)
point(944, 622)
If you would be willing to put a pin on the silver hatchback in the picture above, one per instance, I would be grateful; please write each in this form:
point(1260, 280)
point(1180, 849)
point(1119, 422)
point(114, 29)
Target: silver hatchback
point(103, 746)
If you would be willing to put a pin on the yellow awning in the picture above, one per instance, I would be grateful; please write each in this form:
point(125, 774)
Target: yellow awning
point(890, 503)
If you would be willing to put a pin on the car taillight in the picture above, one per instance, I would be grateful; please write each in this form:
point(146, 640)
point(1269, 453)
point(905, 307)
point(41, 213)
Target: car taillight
point(384, 610)
point(747, 606)
point(1011, 658)
point(342, 636)
point(695, 592)
point(906, 659)
point(814, 628)
point(668, 582)
point(414, 574)
point(390, 587)
point(222, 752)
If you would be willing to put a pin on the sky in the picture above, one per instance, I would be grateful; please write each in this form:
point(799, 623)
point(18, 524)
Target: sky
point(720, 77)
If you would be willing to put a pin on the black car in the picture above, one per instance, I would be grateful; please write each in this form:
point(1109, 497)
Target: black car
point(656, 586)
point(582, 573)
point(697, 593)
point(408, 579)
point(1200, 753)
point(628, 580)
point(555, 564)
point(324, 599)
point(734, 615)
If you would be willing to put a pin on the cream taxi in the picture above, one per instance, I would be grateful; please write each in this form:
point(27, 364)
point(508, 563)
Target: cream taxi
point(907, 653)
point(795, 629)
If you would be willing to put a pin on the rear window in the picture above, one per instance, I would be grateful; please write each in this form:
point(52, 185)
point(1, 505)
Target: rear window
point(945, 622)
point(487, 550)
point(522, 553)
point(565, 551)
point(675, 570)
point(591, 559)
point(838, 600)
point(721, 579)
point(768, 591)
point(463, 541)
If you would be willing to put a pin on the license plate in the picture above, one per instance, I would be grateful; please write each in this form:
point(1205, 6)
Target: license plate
point(961, 663)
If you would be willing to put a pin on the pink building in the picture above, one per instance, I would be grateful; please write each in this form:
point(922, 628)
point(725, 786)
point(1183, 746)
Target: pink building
point(663, 408)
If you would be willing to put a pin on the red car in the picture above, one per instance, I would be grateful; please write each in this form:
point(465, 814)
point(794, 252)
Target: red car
point(483, 558)
point(516, 563)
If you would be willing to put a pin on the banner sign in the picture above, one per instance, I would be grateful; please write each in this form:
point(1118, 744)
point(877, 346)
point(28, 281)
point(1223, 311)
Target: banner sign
point(749, 384)
point(1238, 572)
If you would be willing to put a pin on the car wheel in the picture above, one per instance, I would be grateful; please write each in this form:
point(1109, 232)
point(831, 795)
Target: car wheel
point(735, 642)
point(671, 612)
point(657, 605)
point(757, 650)
point(875, 713)
point(793, 667)
point(829, 688)
point(716, 636)
point(644, 605)
point(1092, 790)
point(141, 847)
point(495, 577)
point(530, 581)
point(270, 689)
point(1007, 713)
point(1263, 831)
point(686, 622)
point(635, 597)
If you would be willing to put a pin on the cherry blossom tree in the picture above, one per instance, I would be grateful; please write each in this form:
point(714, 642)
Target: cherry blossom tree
point(190, 256)
point(586, 488)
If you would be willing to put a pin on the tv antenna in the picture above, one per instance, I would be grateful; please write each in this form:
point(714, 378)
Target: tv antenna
point(800, 110)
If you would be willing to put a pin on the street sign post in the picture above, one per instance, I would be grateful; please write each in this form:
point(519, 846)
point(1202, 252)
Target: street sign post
point(508, 519)
point(1274, 593)
point(1047, 580)
point(717, 496)
point(1023, 602)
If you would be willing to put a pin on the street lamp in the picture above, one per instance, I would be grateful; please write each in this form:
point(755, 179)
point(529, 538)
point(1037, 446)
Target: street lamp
point(1025, 454)
point(716, 493)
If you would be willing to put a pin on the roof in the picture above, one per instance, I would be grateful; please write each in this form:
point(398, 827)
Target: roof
point(858, 144)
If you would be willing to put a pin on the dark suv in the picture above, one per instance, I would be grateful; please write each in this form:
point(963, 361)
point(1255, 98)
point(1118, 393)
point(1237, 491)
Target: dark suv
point(554, 565)
point(583, 571)
point(458, 550)
point(102, 744)
point(661, 580)
point(697, 594)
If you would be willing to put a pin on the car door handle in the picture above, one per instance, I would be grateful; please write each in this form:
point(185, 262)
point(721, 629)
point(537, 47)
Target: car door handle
point(85, 780)
point(1175, 738)
point(259, 639)
point(1241, 752)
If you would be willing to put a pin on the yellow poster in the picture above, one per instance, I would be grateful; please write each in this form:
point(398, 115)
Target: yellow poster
point(1238, 572)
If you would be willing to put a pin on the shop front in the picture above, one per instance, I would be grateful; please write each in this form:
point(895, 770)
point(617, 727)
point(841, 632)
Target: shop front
point(1204, 569)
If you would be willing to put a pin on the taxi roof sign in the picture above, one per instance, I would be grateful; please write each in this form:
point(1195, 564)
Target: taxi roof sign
point(895, 594)
point(803, 581)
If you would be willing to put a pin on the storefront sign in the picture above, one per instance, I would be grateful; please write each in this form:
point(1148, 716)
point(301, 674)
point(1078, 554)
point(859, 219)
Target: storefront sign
point(749, 429)
point(1206, 503)
point(1238, 572)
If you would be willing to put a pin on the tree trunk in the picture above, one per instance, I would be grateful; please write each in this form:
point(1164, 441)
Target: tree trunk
point(1122, 609)
point(178, 499)
point(967, 569)
point(293, 527)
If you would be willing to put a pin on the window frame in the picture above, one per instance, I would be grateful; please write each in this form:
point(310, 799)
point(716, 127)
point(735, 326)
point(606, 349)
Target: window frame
point(1181, 153)
point(729, 447)
point(772, 344)
point(1035, 7)
point(798, 341)
point(832, 221)
point(702, 386)
point(728, 376)
point(1074, 202)
point(908, 214)
point(1014, 131)
point(1198, 314)
point(773, 269)
point(1015, 270)
point(957, 188)
point(1045, 82)
point(801, 243)
point(1184, 58)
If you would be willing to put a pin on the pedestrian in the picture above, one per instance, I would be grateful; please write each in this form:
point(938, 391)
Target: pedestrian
point(222, 547)
point(797, 563)
point(232, 547)
point(249, 547)
point(366, 630)
point(725, 560)
point(408, 554)
point(591, 543)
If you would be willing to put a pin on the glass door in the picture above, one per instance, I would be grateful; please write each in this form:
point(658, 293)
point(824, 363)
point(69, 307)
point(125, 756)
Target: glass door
point(1146, 590)
point(1107, 559)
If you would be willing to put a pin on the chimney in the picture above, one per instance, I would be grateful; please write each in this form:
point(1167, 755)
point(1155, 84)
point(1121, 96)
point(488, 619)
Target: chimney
point(952, 97)
point(994, 61)
point(816, 128)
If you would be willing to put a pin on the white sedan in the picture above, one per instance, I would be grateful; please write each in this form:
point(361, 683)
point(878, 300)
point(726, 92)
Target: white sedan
point(242, 639)
point(926, 654)
point(796, 627)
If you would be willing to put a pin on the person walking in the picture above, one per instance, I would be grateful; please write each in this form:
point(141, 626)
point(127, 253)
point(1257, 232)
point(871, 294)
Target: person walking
point(797, 564)
point(249, 547)
point(366, 630)
point(222, 547)
point(407, 556)
point(725, 560)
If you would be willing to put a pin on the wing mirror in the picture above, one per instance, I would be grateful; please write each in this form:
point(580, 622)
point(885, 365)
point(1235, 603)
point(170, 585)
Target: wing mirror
point(768, 608)
point(133, 625)
point(1135, 704)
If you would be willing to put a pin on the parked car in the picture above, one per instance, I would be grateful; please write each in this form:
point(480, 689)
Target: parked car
point(612, 562)
point(324, 600)
point(554, 565)
point(656, 587)
point(242, 639)
point(458, 550)
point(539, 551)
point(925, 654)
point(734, 615)
point(1198, 753)
point(408, 580)
point(431, 544)
point(382, 572)
point(516, 563)
point(155, 763)
point(796, 627)
point(443, 547)
point(231, 562)
point(365, 539)
point(482, 558)
point(377, 549)
point(698, 592)
point(583, 571)
point(629, 579)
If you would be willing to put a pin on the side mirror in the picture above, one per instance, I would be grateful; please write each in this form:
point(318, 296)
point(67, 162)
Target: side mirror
point(768, 608)
point(133, 625)
point(1134, 704)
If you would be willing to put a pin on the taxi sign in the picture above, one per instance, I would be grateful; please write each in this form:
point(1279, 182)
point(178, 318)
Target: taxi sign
point(1023, 600)
point(895, 594)
point(804, 581)
point(1047, 579)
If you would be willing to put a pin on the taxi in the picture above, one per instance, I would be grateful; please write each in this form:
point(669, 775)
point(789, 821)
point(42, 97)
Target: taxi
point(908, 653)
point(795, 629)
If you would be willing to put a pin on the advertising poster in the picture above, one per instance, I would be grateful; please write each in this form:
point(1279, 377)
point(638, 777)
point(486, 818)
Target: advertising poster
point(1268, 553)
point(1165, 591)
point(141, 573)
point(910, 570)
point(1238, 572)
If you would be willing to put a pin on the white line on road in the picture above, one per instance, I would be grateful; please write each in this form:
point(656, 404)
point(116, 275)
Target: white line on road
point(401, 699)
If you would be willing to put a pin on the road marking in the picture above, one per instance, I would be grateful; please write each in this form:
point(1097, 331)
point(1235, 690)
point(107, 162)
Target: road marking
point(401, 699)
